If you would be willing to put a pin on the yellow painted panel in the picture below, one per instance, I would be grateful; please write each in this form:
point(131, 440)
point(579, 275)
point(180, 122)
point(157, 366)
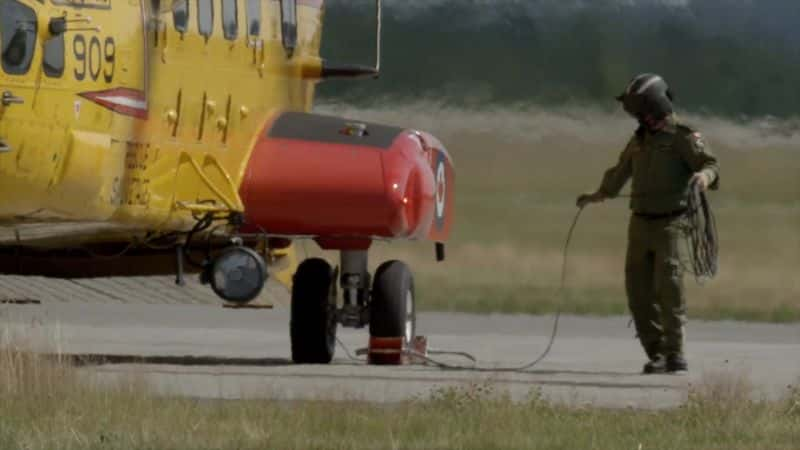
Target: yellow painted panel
point(87, 185)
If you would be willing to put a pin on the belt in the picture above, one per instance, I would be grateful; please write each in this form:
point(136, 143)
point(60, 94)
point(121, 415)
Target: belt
point(667, 215)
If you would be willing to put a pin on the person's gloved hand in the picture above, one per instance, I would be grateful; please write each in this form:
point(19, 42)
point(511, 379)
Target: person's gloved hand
point(589, 197)
point(701, 180)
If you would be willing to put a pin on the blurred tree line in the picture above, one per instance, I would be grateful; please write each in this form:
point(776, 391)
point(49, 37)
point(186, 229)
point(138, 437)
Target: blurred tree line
point(736, 58)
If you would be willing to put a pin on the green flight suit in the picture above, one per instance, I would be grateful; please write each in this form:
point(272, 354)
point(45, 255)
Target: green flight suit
point(661, 164)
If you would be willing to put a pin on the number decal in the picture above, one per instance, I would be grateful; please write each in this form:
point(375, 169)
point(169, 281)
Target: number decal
point(94, 59)
point(110, 51)
point(79, 49)
point(95, 53)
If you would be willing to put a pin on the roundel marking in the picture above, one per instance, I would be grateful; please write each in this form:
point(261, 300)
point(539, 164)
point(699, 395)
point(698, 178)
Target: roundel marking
point(441, 189)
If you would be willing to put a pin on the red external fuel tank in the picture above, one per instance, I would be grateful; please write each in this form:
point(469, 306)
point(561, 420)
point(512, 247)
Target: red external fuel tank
point(346, 182)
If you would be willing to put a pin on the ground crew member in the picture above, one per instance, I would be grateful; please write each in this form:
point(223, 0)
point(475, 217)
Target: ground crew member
point(665, 159)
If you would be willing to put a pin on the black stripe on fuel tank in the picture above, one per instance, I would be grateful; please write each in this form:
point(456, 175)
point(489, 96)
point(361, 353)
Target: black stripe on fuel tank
point(332, 130)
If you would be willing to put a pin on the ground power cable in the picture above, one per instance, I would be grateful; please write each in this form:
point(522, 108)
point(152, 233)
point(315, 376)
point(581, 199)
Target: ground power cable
point(474, 368)
point(553, 334)
point(702, 240)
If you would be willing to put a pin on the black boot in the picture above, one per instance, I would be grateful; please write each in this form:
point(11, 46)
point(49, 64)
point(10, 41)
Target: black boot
point(657, 364)
point(677, 364)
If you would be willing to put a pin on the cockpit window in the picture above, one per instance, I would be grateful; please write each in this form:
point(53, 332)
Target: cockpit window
point(230, 20)
point(205, 17)
point(17, 36)
point(180, 15)
point(253, 17)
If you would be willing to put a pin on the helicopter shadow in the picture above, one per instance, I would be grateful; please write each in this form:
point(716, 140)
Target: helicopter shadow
point(100, 359)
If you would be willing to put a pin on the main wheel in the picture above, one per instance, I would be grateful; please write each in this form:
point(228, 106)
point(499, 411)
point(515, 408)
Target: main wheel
point(313, 322)
point(392, 310)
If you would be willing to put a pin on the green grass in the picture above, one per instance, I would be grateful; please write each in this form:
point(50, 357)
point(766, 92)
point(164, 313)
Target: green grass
point(518, 173)
point(46, 405)
point(441, 295)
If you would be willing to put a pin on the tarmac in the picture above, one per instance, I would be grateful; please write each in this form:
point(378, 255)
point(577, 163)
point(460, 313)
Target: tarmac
point(182, 342)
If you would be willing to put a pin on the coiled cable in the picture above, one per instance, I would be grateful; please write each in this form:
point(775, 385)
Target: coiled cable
point(701, 236)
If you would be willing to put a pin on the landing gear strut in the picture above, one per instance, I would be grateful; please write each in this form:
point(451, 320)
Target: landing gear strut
point(355, 283)
point(386, 304)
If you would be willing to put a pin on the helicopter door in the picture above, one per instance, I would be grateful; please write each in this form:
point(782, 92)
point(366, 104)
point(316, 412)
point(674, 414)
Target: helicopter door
point(18, 28)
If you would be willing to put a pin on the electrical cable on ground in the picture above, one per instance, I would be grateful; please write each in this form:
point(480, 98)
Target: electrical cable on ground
point(474, 367)
point(551, 341)
point(702, 240)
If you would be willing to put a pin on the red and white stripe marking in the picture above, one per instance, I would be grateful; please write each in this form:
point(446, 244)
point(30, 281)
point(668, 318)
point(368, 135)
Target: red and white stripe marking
point(125, 101)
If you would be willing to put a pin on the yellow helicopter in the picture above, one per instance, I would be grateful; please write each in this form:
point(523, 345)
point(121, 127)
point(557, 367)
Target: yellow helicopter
point(147, 137)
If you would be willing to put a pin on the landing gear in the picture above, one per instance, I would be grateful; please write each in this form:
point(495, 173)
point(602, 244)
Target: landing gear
point(355, 282)
point(313, 322)
point(387, 306)
point(393, 302)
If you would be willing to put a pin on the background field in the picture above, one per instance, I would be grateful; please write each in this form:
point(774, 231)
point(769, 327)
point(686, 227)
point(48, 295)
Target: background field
point(518, 172)
point(521, 92)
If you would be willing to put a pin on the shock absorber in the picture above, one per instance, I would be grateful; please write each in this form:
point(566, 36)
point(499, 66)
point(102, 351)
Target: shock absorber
point(355, 289)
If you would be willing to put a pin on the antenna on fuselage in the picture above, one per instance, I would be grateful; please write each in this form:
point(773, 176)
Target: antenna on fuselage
point(379, 34)
point(60, 25)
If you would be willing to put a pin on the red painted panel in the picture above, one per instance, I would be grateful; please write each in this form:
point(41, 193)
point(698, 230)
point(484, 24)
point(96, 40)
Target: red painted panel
point(342, 193)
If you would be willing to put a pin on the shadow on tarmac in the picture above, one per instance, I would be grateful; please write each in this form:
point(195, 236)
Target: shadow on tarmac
point(85, 360)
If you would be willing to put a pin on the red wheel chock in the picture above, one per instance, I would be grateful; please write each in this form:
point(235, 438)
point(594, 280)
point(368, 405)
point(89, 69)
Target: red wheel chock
point(394, 351)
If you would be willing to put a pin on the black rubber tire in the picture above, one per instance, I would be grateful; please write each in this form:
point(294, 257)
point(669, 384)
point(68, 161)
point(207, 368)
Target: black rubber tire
point(388, 308)
point(313, 322)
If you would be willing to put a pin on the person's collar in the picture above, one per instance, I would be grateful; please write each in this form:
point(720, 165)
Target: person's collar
point(670, 126)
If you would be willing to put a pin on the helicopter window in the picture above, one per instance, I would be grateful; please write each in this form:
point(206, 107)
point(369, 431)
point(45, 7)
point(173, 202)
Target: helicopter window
point(205, 17)
point(289, 25)
point(180, 15)
point(17, 36)
point(54, 56)
point(230, 21)
point(253, 17)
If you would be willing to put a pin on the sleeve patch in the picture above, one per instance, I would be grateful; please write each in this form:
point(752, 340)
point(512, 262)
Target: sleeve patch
point(698, 140)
